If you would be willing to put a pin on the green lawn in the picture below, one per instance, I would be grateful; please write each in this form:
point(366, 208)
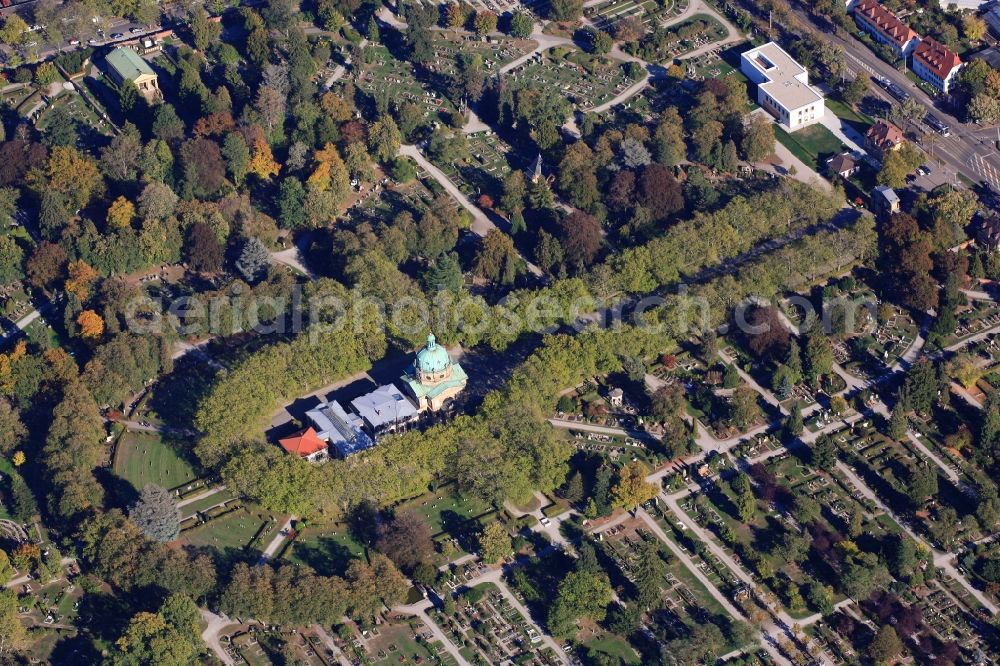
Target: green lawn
point(445, 509)
point(615, 647)
point(144, 458)
point(845, 112)
point(813, 144)
point(328, 550)
point(206, 503)
point(233, 530)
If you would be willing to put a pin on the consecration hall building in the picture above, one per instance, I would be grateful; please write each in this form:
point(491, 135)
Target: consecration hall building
point(429, 384)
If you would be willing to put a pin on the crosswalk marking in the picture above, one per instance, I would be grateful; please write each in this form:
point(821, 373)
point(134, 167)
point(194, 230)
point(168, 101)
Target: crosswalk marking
point(984, 167)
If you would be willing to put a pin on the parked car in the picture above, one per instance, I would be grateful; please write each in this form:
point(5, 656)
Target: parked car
point(135, 31)
point(116, 35)
point(74, 42)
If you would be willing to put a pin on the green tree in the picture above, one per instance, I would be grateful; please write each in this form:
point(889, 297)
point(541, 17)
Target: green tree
point(744, 408)
point(292, 203)
point(856, 90)
point(11, 261)
point(580, 595)
point(894, 170)
point(793, 424)
point(898, 421)
point(565, 10)
point(886, 645)
point(601, 42)
point(757, 139)
point(494, 542)
point(13, 635)
point(384, 139)
point(237, 154)
point(649, 573)
point(824, 453)
point(521, 24)
point(819, 356)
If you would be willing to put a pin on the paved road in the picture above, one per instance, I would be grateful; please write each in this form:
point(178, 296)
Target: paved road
point(327, 640)
point(276, 542)
point(420, 610)
point(197, 498)
point(25, 321)
point(292, 258)
point(214, 625)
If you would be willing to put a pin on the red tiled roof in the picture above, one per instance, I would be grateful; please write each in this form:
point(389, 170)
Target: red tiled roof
point(936, 57)
point(885, 22)
point(884, 134)
point(305, 443)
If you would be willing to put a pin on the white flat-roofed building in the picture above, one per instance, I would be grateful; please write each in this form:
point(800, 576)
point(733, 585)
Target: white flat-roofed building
point(783, 86)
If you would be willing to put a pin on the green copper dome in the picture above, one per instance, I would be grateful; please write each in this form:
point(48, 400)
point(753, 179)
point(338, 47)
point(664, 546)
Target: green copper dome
point(433, 357)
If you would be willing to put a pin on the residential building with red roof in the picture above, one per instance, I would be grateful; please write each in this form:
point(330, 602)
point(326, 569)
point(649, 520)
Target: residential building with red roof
point(885, 27)
point(305, 444)
point(936, 64)
point(882, 137)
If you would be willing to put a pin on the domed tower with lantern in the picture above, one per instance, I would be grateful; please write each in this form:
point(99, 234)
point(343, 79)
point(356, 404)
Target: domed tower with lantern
point(434, 379)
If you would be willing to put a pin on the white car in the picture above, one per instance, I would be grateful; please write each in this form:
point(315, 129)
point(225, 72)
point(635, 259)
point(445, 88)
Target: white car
point(74, 42)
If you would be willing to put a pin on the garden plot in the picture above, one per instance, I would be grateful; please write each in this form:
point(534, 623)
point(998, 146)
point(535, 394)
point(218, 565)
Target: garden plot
point(78, 110)
point(384, 72)
point(756, 541)
point(886, 467)
point(718, 574)
point(666, 44)
point(494, 51)
point(401, 641)
point(681, 594)
point(490, 161)
point(708, 66)
point(486, 624)
point(143, 458)
point(585, 80)
point(327, 549)
point(498, 6)
point(980, 316)
point(950, 619)
point(384, 203)
point(606, 14)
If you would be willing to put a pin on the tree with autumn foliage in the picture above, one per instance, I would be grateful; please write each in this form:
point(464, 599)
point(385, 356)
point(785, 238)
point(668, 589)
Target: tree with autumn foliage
point(91, 325)
point(581, 238)
point(80, 278)
point(69, 173)
point(262, 162)
point(906, 259)
point(632, 488)
point(121, 213)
